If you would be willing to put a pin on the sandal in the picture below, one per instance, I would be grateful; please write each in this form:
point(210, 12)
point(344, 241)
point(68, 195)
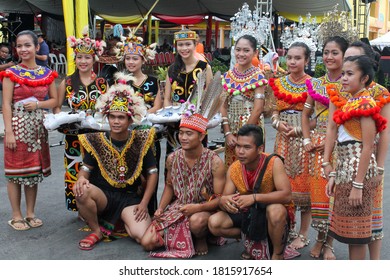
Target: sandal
point(319, 244)
point(12, 223)
point(33, 222)
point(92, 239)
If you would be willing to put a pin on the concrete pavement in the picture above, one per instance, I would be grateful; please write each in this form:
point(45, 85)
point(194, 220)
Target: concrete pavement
point(58, 238)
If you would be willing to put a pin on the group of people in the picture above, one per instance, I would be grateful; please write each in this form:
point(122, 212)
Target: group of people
point(111, 178)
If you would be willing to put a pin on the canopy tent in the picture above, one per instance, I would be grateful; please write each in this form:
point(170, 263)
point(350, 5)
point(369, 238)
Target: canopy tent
point(221, 8)
point(382, 41)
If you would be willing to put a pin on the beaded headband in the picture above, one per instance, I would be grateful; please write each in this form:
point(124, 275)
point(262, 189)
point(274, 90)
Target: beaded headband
point(86, 45)
point(120, 97)
point(185, 34)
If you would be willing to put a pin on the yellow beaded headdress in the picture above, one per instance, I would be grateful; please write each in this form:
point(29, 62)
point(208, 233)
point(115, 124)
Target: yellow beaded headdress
point(184, 34)
point(120, 97)
point(337, 23)
point(86, 45)
point(134, 45)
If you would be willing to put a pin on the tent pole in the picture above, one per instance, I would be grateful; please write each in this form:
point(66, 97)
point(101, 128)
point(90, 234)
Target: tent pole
point(147, 14)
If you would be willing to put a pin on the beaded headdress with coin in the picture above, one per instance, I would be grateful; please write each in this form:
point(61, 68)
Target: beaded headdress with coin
point(86, 45)
point(120, 97)
point(305, 31)
point(336, 23)
point(247, 22)
point(202, 105)
point(133, 44)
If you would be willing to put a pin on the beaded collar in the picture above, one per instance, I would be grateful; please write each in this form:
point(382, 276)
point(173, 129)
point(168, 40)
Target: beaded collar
point(235, 82)
point(287, 91)
point(39, 76)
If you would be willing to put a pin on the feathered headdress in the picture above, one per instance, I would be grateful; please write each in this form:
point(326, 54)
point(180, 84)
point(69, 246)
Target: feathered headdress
point(337, 23)
point(86, 45)
point(134, 45)
point(202, 105)
point(120, 97)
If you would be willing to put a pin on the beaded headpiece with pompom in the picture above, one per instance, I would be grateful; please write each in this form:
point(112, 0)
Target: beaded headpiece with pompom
point(120, 97)
point(134, 45)
point(86, 45)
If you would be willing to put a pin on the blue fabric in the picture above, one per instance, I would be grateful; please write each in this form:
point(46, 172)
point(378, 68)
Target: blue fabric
point(43, 50)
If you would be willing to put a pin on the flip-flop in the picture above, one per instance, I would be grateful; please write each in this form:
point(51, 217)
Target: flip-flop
point(92, 239)
point(21, 221)
point(33, 222)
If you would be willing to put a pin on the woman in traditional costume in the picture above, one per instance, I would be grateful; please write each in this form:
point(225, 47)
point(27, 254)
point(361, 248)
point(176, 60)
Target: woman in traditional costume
point(290, 94)
point(181, 79)
point(314, 141)
point(80, 90)
point(134, 55)
point(382, 97)
point(355, 124)
point(26, 145)
point(244, 85)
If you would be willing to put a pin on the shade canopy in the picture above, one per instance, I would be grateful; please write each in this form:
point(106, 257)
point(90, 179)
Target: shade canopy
point(382, 41)
point(222, 8)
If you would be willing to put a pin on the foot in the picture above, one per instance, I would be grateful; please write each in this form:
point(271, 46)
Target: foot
point(89, 242)
point(315, 251)
point(300, 242)
point(18, 224)
point(201, 248)
point(328, 252)
point(33, 222)
point(246, 256)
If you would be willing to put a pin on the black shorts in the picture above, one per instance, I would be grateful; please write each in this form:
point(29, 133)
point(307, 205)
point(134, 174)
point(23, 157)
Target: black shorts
point(237, 218)
point(116, 202)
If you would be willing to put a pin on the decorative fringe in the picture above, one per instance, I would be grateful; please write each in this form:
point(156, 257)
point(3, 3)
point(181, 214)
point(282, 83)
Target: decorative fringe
point(315, 95)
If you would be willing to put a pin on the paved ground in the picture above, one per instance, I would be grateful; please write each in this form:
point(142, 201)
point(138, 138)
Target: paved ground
point(58, 238)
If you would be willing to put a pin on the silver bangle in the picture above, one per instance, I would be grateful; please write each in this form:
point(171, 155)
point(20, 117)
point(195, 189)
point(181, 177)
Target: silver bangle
point(332, 174)
point(227, 133)
point(306, 141)
point(85, 168)
point(225, 123)
point(225, 118)
point(357, 185)
point(153, 170)
point(381, 170)
point(259, 96)
point(307, 106)
point(325, 164)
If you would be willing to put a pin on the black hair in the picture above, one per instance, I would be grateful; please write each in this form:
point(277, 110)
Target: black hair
point(75, 81)
point(178, 64)
point(252, 41)
point(301, 45)
point(364, 64)
point(4, 45)
point(340, 41)
point(33, 36)
point(368, 51)
point(252, 130)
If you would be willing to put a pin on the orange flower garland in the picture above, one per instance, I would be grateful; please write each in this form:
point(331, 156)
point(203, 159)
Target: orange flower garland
point(340, 117)
point(288, 98)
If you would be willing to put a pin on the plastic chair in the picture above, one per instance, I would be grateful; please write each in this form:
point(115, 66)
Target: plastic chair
point(62, 64)
point(53, 61)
